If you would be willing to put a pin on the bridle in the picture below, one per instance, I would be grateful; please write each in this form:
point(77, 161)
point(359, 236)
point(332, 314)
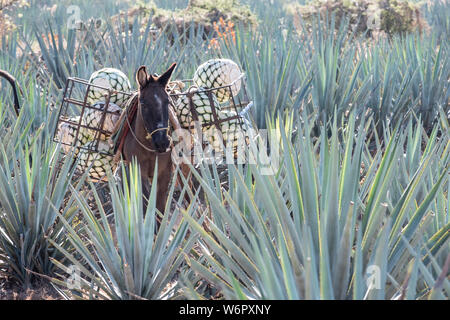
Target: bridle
point(149, 133)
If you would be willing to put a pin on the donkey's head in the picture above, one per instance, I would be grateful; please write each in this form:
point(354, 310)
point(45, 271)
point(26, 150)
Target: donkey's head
point(154, 104)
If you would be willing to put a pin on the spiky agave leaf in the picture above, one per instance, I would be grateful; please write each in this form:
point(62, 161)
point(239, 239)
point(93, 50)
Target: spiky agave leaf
point(33, 188)
point(290, 235)
point(124, 258)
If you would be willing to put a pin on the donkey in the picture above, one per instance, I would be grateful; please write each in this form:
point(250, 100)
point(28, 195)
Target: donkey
point(148, 139)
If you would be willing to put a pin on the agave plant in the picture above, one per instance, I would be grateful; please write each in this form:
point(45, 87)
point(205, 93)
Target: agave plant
point(431, 70)
point(34, 180)
point(437, 14)
point(62, 54)
point(332, 223)
point(324, 70)
point(125, 257)
point(356, 208)
point(77, 53)
point(136, 46)
point(318, 71)
point(33, 186)
point(276, 68)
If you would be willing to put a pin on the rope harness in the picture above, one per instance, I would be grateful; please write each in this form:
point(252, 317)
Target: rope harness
point(149, 135)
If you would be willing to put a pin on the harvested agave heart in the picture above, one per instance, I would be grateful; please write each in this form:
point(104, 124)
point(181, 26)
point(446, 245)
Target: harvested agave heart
point(99, 162)
point(230, 131)
point(67, 135)
point(93, 118)
point(201, 103)
point(216, 73)
point(109, 78)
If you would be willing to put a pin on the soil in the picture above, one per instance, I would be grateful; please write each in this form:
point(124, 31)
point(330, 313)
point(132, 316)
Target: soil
point(40, 290)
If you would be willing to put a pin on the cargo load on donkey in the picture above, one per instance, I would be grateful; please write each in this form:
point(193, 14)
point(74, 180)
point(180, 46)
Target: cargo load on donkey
point(91, 110)
point(88, 114)
point(214, 107)
point(101, 119)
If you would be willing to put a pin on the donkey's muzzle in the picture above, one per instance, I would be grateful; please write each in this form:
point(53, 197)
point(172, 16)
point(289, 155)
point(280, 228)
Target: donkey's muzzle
point(161, 141)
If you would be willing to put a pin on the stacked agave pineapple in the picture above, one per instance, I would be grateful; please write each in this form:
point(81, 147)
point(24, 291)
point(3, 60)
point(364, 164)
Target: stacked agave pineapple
point(201, 103)
point(216, 73)
point(215, 82)
point(85, 144)
point(232, 132)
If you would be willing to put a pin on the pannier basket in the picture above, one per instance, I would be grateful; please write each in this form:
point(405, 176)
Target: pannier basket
point(199, 109)
point(87, 126)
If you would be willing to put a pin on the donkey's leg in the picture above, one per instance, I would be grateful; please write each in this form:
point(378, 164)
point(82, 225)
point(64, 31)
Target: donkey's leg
point(146, 189)
point(163, 188)
point(164, 177)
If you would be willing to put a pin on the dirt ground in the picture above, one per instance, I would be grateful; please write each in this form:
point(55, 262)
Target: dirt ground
point(41, 290)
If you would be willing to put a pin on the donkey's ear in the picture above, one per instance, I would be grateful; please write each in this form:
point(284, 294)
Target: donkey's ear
point(164, 79)
point(142, 76)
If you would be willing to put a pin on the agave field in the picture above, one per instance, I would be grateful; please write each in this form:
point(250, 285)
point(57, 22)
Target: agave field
point(355, 204)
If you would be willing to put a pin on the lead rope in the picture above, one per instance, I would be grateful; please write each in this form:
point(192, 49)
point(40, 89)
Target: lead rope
point(149, 135)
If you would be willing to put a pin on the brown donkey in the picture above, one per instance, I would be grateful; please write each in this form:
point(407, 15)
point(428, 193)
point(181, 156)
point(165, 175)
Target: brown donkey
point(147, 138)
